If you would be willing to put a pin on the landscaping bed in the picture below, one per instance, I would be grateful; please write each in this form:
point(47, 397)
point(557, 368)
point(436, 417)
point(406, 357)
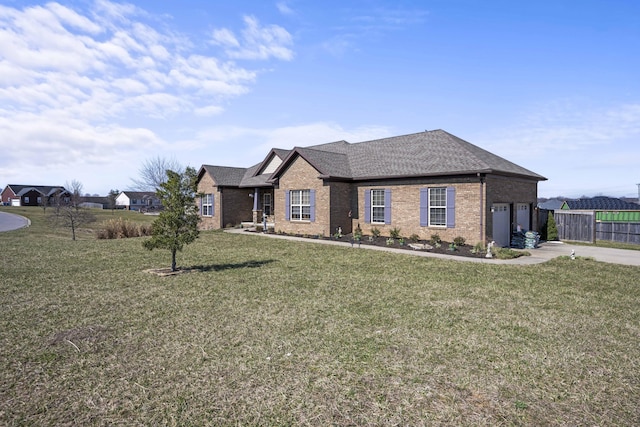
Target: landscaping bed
point(448, 248)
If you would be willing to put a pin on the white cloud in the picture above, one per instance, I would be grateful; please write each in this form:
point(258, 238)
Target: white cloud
point(258, 42)
point(284, 8)
point(75, 84)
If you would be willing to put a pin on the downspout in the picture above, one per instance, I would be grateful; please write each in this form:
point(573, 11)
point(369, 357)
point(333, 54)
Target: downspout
point(482, 211)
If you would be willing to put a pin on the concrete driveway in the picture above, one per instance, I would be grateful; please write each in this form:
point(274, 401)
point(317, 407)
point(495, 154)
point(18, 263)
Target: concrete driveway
point(9, 221)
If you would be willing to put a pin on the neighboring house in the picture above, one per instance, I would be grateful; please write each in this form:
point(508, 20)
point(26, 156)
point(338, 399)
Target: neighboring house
point(34, 195)
point(599, 203)
point(608, 209)
point(138, 201)
point(423, 184)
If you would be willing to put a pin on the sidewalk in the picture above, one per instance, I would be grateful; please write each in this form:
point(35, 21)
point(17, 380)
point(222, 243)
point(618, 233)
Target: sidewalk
point(544, 253)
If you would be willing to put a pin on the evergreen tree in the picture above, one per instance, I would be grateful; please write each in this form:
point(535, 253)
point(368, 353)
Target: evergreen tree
point(177, 224)
point(552, 229)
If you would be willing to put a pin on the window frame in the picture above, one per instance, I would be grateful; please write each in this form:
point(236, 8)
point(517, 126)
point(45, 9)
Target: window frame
point(207, 205)
point(436, 210)
point(299, 208)
point(266, 204)
point(377, 209)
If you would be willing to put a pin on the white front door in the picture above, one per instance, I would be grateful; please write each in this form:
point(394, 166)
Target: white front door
point(501, 227)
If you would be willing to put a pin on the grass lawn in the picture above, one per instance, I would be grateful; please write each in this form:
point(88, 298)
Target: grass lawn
point(271, 332)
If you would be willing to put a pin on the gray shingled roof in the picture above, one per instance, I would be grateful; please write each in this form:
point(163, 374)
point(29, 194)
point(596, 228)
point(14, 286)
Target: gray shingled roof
point(46, 190)
point(427, 153)
point(602, 203)
point(225, 176)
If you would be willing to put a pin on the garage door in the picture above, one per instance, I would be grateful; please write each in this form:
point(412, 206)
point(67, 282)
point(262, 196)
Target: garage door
point(523, 216)
point(501, 227)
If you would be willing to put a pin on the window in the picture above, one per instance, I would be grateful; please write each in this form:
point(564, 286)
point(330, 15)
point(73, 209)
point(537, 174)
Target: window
point(266, 203)
point(26, 199)
point(207, 205)
point(39, 200)
point(377, 206)
point(300, 205)
point(438, 207)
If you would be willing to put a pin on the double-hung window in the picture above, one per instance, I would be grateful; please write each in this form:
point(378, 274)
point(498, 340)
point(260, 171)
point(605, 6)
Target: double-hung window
point(207, 205)
point(438, 206)
point(300, 205)
point(377, 206)
point(266, 203)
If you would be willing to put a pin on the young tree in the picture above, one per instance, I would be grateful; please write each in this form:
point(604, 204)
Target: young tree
point(177, 224)
point(153, 172)
point(72, 217)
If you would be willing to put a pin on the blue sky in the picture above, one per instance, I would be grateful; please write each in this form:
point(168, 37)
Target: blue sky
point(91, 89)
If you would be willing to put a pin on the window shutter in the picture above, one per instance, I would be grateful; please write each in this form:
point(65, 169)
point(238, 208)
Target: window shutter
point(201, 205)
point(451, 207)
point(387, 206)
point(312, 205)
point(367, 206)
point(424, 207)
point(213, 204)
point(287, 205)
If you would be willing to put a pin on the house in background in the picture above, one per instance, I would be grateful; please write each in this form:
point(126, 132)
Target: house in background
point(599, 203)
point(142, 201)
point(422, 184)
point(34, 195)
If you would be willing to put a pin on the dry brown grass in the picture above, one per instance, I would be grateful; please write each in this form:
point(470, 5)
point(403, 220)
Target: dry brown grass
point(271, 332)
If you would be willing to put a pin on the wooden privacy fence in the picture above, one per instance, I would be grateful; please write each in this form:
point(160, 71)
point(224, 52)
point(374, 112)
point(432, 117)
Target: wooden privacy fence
point(582, 226)
point(578, 226)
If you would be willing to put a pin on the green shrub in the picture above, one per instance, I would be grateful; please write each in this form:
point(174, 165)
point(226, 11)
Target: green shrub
point(414, 238)
point(375, 232)
point(357, 234)
point(395, 233)
point(478, 248)
point(552, 229)
point(459, 241)
point(435, 239)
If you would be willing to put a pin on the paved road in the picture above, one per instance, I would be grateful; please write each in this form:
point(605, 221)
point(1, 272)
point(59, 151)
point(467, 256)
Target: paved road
point(545, 252)
point(10, 221)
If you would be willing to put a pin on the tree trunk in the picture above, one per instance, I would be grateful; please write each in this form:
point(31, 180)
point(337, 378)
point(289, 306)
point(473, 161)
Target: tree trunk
point(173, 260)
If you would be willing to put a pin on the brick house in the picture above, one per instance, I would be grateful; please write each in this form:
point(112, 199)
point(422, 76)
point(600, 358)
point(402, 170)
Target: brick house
point(34, 195)
point(424, 183)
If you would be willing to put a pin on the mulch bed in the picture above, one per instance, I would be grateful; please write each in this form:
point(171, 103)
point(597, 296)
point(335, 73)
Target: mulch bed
point(464, 250)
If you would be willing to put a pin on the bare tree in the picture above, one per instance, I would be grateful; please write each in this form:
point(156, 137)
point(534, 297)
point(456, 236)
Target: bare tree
point(71, 217)
point(76, 192)
point(153, 173)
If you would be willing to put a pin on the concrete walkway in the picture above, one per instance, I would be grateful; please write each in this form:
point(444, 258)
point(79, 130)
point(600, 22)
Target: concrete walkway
point(545, 252)
point(9, 221)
